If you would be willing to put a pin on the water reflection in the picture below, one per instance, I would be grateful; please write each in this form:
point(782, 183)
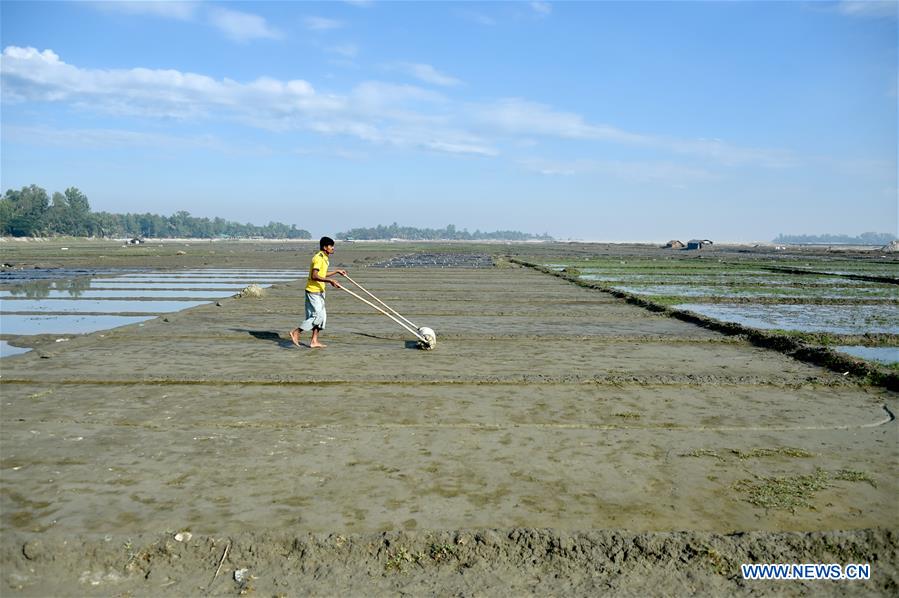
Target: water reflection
point(241, 272)
point(179, 279)
point(879, 354)
point(65, 324)
point(885, 292)
point(38, 289)
point(124, 284)
point(838, 319)
point(6, 350)
point(111, 306)
point(128, 294)
point(125, 290)
point(211, 277)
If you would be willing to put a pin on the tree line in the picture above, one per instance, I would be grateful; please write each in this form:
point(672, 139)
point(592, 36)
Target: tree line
point(862, 239)
point(31, 212)
point(450, 233)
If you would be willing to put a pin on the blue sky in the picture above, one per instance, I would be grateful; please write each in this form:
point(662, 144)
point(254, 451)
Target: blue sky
point(587, 120)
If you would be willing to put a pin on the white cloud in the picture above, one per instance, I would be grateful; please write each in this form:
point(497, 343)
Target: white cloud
point(345, 50)
point(543, 9)
point(666, 172)
point(517, 116)
point(375, 111)
point(391, 92)
point(426, 73)
point(521, 117)
point(30, 75)
point(869, 8)
point(372, 111)
point(460, 148)
point(241, 26)
point(344, 154)
point(360, 3)
point(321, 23)
point(106, 138)
point(236, 25)
point(477, 17)
point(181, 11)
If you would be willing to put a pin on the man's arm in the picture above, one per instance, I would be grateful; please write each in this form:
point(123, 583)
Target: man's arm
point(317, 277)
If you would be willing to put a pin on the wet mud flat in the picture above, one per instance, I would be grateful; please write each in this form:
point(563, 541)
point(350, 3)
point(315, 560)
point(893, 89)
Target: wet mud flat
point(558, 440)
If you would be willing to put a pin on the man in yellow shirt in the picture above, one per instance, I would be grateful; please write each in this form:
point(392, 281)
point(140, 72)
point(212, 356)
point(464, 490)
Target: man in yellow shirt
point(316, 316)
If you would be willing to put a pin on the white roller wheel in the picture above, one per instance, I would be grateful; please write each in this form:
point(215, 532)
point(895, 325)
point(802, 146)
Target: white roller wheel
point(430, 337)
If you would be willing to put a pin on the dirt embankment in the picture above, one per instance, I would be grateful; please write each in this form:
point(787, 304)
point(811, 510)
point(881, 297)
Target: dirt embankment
point(462, 563)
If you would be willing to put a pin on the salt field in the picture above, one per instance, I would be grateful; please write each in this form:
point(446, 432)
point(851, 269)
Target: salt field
point(782, 295)
point(119, 294)
point(884, 292)
point(51, 303)
point(94, 306)
point(839, 319)
point(19, 325)
point(108, 283)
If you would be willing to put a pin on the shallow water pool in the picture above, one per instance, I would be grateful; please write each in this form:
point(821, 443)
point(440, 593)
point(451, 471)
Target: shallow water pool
point(216, 279)
point(838, 319)
point(112, 306)
point(7, 350)
point(885, 292)
point(14, 324)
point(879, 354)
point(108, 283)
point(115, 294)
point(58, 300)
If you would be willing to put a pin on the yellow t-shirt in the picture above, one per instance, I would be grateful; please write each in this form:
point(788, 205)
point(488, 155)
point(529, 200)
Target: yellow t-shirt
point(320, 262)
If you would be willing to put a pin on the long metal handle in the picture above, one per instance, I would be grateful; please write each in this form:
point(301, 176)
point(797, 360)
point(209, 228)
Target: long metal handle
point(393, 311)
point(364, 300)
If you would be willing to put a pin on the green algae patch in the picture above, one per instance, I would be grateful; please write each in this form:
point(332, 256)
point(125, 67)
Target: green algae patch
point(788, 493)
point(756, 453)
point(783, 493)
point(704, 453)
point(850, 475)
point(772, 452)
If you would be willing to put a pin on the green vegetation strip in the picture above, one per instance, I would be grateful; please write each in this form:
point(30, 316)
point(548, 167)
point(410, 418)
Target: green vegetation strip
point(787, 344)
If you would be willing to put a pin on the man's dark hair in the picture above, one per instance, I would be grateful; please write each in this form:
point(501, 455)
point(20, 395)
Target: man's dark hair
point(324, 242)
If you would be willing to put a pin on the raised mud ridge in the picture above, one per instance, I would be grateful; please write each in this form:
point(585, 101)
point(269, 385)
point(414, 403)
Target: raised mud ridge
point(788, 345)
point(459, 563)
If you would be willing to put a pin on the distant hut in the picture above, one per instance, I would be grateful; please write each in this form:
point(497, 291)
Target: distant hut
point(674, 244)
point(136, 241)
point(698, 243)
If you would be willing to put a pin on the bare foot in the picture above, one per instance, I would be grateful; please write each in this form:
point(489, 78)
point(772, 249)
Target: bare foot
point(317, 345)
point(295, 337)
